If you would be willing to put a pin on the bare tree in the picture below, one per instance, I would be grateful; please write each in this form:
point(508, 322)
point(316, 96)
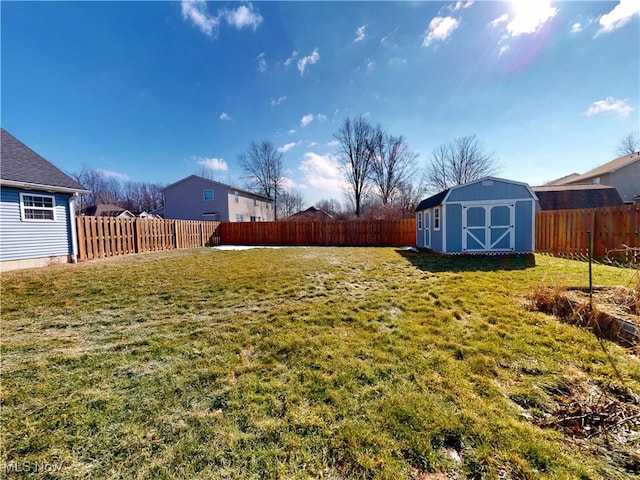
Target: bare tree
point(628, 144)
point(331, 206)
point(263, 165)
point(355, 138)
point(393, 164)
point(133, 196)
point(290, 202)
point(459, 161)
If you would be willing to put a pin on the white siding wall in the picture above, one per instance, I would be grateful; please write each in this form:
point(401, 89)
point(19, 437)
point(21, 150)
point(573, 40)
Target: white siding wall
point(23, 239)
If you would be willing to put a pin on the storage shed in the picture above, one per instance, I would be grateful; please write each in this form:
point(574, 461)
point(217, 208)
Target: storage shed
point(486, 216)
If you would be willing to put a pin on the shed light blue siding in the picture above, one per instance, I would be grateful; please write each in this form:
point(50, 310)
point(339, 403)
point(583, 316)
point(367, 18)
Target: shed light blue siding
point(453, 217)
point(21, 240)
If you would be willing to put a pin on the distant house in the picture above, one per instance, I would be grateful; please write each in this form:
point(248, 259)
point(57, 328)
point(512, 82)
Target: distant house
point(198, 198)
point(563, 197)
point(311, 214)
point(107, 210)
point(489, 215)
point(37, 223)
point(623, 173)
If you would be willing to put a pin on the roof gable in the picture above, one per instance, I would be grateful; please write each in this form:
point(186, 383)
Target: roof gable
point(22, 167)
point(442, 197)
point(215, 183)
point(609, 167)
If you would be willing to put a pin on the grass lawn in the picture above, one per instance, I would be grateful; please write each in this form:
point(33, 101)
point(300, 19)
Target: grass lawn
point(306, 363)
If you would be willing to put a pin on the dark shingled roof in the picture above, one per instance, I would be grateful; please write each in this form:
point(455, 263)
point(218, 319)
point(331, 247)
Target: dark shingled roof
point(563, 197)
point(433, 201)
point(104, 210)
point(311, 214)
point(20, 164)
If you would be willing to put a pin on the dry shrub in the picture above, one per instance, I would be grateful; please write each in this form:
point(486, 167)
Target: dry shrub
point(550, 300)
point(554, 301)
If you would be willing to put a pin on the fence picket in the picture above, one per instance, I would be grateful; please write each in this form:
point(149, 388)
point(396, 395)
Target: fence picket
point(564, 232)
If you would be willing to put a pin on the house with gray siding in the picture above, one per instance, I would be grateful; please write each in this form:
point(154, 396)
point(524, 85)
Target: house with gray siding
point(37, 211)
point(623, 174)
point(487, 216)
point(198, 198)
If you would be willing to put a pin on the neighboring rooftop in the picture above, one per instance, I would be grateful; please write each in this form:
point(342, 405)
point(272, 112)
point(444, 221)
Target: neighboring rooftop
point(609, 167)
point(562, 197)
point(234, 189)
point(106, 210)
point(22, 167)
point(311, 214)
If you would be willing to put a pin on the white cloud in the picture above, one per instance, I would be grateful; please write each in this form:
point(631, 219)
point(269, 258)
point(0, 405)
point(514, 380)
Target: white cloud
point(576, 27)
point(370, 66)
point(460, 5)
point(308, 60)
point(499, 20)
point(310, 117)
point(333, 143)
point(619, 16)
point(224, 116)
point(292, 131)
point(216, 164)
point(196, 11)
point(323, 172)
point(440, 28)
point(360, 33)
point(112, 174)
point(293, 56)
point(312, 144)
point(503, 49)
point(610, 104)
point(262, 63)
point(277, 101)
point(530, 16)
point(306, 120)
point(243, 16)
point(286, 147)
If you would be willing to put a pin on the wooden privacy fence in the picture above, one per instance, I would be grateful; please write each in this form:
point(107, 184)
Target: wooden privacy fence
point(100, 237)
point(564, 232)
point(339, 233)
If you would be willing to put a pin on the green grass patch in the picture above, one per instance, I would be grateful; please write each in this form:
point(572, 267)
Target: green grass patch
point(303, 363)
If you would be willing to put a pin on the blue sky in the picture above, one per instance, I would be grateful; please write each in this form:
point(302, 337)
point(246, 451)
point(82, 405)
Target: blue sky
point(155, 91)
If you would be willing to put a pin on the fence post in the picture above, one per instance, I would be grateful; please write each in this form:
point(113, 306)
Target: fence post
point(136, 236)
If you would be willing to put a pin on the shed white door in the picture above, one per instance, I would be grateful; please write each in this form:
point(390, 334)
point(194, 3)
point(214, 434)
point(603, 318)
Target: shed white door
point(427, 228)
point(488, 228)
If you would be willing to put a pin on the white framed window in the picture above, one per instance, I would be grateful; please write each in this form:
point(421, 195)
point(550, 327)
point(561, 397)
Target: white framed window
point(255, 202)
point(239, 217)
point(236, 197)
point(596, 180)
point(419, 220)
point(207, 194)
point(37, 207)
point(436, 218)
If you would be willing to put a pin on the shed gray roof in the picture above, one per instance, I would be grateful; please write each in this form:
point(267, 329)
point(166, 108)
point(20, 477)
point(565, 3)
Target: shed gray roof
point(22, 167)
point(433, 201)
